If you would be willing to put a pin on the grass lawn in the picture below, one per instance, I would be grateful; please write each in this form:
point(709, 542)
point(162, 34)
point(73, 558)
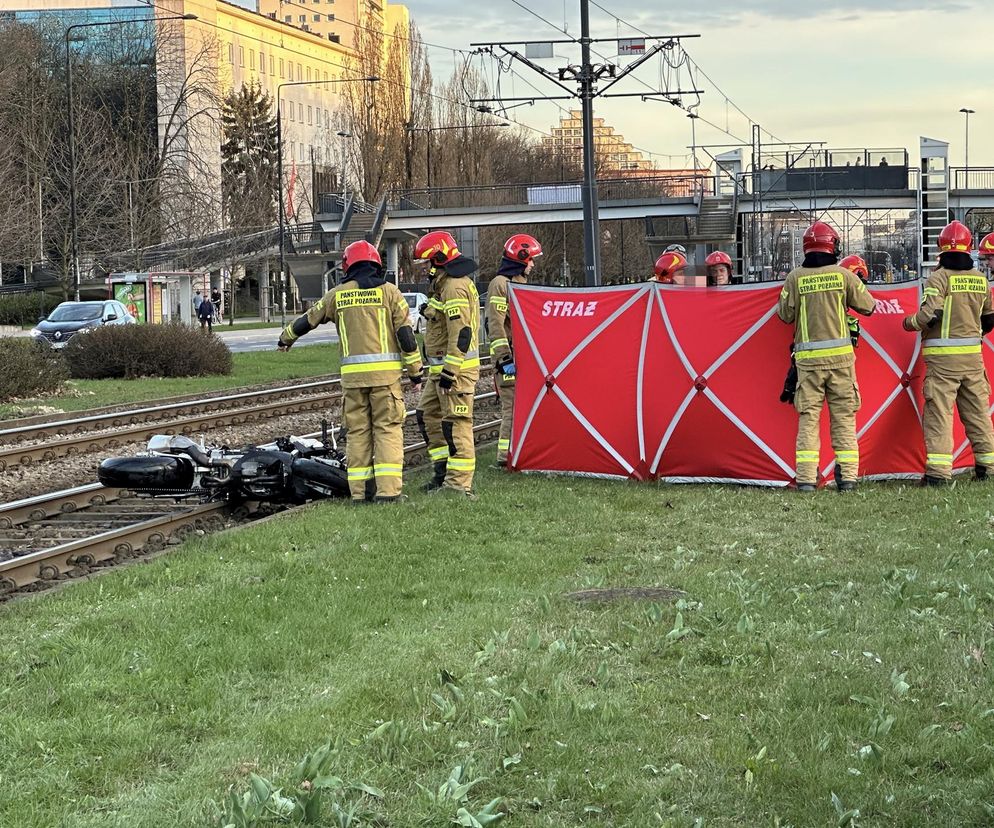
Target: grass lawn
point(830, 656)
point(251, 368)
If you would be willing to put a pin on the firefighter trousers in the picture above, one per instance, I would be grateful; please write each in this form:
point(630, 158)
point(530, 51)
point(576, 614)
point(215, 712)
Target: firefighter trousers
point(447, 420)
point(963, 384)
point(836, 384)
point(374, 420)
point(505, 390)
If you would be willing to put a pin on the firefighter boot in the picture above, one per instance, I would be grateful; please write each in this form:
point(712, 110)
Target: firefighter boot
point(438, 479)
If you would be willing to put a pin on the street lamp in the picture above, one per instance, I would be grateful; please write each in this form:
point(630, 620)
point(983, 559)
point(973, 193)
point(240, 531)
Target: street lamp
point(73, 222)
point(967, 113)
point(279, 172)
point(430, 130)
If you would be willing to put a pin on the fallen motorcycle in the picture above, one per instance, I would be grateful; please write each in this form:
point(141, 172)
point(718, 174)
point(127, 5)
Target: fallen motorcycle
point(289, 470)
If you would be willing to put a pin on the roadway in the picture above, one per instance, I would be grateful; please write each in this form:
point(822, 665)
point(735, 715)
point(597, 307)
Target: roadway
point(264, 339)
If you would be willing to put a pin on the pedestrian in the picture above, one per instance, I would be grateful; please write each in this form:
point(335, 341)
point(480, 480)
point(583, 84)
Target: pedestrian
point(813, 298)
point(718, 266)
point(216, 301)
point(954, 316)
point(377, 342)
point(197, 299)
point(520, 252)
point(205, 313)
point(451, 349)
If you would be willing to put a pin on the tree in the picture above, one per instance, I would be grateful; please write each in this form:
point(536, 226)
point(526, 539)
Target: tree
point(249, 158)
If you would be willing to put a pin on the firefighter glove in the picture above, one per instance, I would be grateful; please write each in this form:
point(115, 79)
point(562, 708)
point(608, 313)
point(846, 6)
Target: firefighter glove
point(506, 365)
point(789, 385)
point(418, 378)
point(987, 323)
point(446, 380)
point(281, 345)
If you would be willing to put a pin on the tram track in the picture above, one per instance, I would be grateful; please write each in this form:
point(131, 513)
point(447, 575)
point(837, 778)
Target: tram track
point(71, 533)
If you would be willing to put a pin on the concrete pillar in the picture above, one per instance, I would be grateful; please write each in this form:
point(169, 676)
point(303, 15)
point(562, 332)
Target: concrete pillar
point(393, 260)
point(265, 301)
point(185, 300)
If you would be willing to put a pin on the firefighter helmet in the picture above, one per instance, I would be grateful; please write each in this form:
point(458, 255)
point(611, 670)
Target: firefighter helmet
point(522, 248)
point(668, 265)
point(821, 238)
point(857, 266)
point(676, 248)
point(955, 238)
point(986, 247)
point(719, 257)
point(438, 247)
point(360, 251)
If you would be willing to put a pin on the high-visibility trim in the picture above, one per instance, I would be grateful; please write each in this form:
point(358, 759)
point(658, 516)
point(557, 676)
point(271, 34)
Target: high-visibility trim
point(434, 369)
point(843, 316)
point(411, 359)
point(803, 316)
point(438, 304)
point(288, 333)
point(806, 457)
point(456, 303)
point(503, 445)
point(453, 360)
point(947, 316)
point(388, 470)
point(361, 473)
point(462, 463)
point(847, 456)
point(939, 459)
point(950, 350)
point(366, 358)
point(369, 367)
point(498, 343)
point(471, 363)
point(955, 342)
point(931, 291)
point(819, 344)
point(824, 352)
point(381, 315)
point(434, 360)
point(440, 453)
point(984, 459)
point(343, 336)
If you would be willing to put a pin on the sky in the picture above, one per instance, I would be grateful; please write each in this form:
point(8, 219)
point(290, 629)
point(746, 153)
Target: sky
point(875, 73)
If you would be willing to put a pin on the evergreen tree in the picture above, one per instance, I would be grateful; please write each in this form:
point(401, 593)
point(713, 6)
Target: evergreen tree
point(249, 158)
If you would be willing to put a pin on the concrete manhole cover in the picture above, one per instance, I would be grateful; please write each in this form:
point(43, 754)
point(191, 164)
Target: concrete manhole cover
point(629, 593)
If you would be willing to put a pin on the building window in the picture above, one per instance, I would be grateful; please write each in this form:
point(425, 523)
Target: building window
point(334, 38)
point(289, 18)
point(310, 117)
point(300, 157)
point(327, 119)
point(241, 55)
point(331, 18)
point(302, 18)
point(300, 112)
point(291, 111)
point(308, 74)
point(281, 68)
point(317, 18)
point(289, 70)
point(262, 63)
point(300, 72)
point(251, 58)
point(231, 53)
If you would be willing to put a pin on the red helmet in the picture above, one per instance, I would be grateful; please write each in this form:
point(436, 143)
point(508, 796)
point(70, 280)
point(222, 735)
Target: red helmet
point(522, 248)
point(821, 238)
point(438, 247)
point(668, 265)
point(719, 257)
point(360, 251)
point(986, 246)
point(857, 266)
point(955, 238)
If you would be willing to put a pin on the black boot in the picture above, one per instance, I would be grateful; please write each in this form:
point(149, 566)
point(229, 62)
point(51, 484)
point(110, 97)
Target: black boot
point(847, 486)
point(806, 487)
point(980, 472)
point(929, 480)
point(439, 478)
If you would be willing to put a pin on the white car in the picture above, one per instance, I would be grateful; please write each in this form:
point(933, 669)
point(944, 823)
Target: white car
point(414, 302)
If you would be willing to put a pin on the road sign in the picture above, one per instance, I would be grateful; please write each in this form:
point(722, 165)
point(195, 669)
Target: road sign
point(631, 46)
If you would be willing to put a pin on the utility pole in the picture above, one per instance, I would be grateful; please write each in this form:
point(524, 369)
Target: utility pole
point(586, 75)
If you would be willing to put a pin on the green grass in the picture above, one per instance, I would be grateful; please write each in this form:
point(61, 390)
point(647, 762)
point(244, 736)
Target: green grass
point(826, 645)
point(251, 368)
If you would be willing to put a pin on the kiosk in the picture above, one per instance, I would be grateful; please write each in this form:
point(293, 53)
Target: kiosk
point(157, 296)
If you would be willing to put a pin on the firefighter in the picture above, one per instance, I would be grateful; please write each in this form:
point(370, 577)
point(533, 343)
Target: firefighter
point(718, 268)
point(813, 298)
point(855, 264)
point(451, 343)
point(520, 252)
point(376, 339)
point(985, 251)
point(669, 268)
point(955, 314)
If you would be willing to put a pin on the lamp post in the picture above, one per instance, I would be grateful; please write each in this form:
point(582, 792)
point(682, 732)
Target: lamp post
point(967, 113)
point(279, 173)
point(345, 163)
point(73, 221)
point(429, 130)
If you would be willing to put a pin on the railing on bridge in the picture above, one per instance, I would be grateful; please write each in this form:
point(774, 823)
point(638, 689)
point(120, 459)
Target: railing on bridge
point(335, 203)
point(550, 193)
point(974, 178)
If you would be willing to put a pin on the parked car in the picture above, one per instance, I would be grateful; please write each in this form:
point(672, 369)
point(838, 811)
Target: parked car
point(71, 318)
point(415, 301)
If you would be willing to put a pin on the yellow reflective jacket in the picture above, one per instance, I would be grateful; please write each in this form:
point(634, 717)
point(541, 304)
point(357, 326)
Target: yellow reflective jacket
point(962, 296)
point(369, 320)
point(497, 321)
point(815, 299)
point(452, 335)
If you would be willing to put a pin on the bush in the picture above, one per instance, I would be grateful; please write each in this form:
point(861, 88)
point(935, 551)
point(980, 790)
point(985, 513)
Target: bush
point(131, 351)
point(25, 308)
point(29, 368)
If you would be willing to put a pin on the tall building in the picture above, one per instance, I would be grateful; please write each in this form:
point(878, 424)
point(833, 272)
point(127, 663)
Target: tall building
point(338, 21)
point(611, 150)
